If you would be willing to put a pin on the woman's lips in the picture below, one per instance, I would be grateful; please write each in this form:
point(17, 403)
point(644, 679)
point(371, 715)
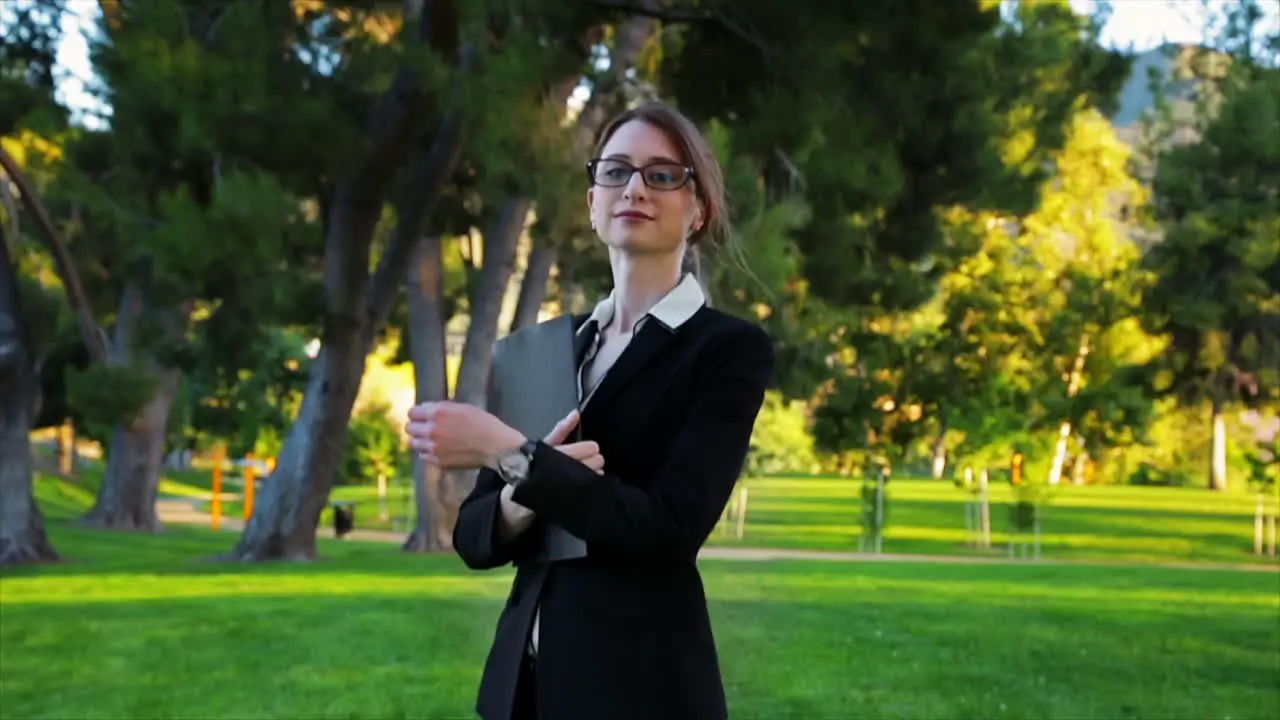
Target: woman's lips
point(632, 215)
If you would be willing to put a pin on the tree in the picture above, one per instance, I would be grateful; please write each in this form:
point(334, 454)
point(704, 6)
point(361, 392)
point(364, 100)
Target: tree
point(22, 533)
point(1217, 201)
point(356, 303)
point(163, 214)
point(886, 113)
point(27, 51)
point(969, 125)
point(1082, 241)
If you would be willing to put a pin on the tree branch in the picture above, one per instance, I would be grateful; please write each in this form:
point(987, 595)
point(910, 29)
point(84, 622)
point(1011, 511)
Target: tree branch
point(89, 331)
point(431, 172)
point(716, 12)
point(649, 10)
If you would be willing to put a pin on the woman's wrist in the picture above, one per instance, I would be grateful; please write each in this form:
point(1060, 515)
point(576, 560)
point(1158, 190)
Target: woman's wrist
point(507, 441)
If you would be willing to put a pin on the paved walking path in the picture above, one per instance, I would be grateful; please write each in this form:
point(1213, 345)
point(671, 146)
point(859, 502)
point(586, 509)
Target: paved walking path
point(184, 511)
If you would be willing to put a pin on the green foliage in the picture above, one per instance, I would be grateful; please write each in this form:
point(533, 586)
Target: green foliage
point(889, 113)
point(110, 394)
point(781, 441)
point(1028, 503)
point(1174, 449)
point(1217, 296)
point(374, 447)
point(1262, 452)
point(990, 362)
point(46, 317)
point(245, 397)
point(237, 232)
point(29, 37)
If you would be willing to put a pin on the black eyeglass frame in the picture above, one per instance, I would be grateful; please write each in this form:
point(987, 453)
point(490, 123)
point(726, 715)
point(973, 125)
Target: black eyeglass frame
point(689, 173)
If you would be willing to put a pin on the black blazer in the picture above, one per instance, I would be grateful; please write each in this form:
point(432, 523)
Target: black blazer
point(624, 632)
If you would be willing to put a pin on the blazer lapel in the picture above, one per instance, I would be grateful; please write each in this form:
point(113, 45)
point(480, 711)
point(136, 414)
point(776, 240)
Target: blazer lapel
point(647, 344)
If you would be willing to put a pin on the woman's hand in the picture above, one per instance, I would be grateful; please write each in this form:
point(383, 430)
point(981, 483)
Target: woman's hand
point(456, 435)
point(586, 452)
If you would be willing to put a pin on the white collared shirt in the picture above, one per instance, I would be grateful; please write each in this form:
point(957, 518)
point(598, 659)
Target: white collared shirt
point(673, 310)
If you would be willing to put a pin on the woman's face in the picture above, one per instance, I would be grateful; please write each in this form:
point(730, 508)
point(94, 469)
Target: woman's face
point(636, 218)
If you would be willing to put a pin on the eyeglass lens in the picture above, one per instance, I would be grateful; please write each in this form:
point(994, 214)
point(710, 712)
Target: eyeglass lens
point(658, 176)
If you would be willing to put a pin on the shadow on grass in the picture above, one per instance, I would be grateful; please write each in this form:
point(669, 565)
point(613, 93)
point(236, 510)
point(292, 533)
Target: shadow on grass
point(188, 550)
point(799, 649)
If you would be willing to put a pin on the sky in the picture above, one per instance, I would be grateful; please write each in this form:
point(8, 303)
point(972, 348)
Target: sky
point(1137, 24)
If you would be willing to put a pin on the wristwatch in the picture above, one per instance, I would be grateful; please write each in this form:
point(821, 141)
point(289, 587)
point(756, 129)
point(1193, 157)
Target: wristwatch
point(513, 467)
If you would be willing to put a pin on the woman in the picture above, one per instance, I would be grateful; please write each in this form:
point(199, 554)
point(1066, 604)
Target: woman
point(670, 389)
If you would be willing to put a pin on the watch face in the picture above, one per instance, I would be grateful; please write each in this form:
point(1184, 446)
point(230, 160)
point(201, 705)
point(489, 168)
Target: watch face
point(514, 466)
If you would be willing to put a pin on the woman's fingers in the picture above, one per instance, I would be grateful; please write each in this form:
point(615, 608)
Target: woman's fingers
point(580, 450)
point(561, 431)
point(586, 452)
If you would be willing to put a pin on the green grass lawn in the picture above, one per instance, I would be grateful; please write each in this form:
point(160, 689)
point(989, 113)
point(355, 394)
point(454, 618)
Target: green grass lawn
point(132, 625)
point(1125, 523)
point(1100, 523)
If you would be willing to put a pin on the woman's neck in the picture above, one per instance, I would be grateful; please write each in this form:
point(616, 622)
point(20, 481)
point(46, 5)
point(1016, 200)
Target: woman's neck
point(639, 282)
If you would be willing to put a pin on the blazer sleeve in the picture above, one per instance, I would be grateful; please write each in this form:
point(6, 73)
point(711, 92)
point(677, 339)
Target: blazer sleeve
point(475, 534)
point(673, 515)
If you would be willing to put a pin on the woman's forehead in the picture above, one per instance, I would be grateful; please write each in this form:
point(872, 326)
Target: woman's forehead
point(640, 143)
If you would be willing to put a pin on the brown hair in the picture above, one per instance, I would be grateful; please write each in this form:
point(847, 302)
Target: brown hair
point(708, 181)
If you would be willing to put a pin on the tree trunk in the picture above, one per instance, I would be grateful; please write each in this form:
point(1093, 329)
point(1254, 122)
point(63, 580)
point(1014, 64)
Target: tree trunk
point(1064, 430)
point(1080, 465)
point(1218, 457)
point(90, 333)
point(940, 452)
point(533, 287)
point(500, 243)
point(425, 290)
point(126, 499)
point(286, 510)
point(135, 458)
point(22, 533)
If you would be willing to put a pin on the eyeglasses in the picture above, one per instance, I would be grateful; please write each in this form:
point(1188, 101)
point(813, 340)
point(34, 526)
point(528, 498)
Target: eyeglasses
point(608, 172)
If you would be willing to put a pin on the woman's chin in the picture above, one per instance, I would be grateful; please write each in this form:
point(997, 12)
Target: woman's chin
point(642, 241)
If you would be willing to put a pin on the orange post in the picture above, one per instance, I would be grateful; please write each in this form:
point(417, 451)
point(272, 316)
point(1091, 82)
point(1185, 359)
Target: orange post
point(249, 482)
point(215, 504)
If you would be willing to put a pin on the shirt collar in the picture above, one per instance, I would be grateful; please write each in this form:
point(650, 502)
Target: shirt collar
point(673, 310)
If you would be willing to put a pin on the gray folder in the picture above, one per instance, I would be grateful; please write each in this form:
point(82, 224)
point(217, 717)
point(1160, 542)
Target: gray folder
point(533, 385)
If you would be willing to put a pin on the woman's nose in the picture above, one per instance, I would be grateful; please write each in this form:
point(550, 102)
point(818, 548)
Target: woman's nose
point(635, 187)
